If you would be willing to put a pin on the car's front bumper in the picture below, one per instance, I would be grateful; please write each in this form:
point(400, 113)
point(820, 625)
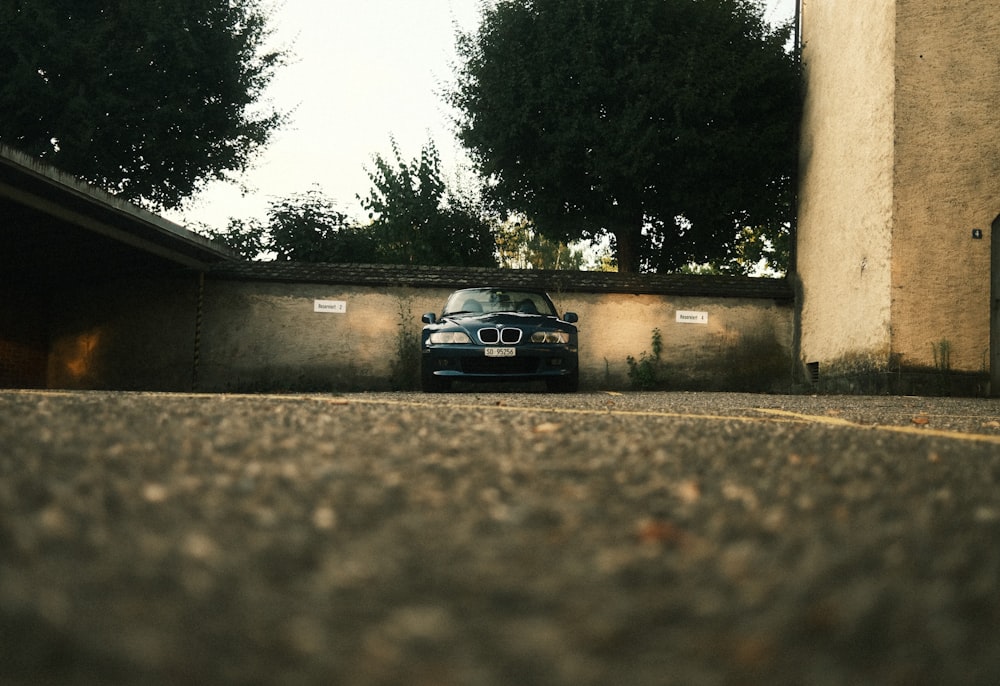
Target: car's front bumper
point(528, 362)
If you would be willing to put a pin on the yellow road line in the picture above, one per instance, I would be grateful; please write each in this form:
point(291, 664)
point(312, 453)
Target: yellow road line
point(908, 430)
point(579, 411)
point(770, 415)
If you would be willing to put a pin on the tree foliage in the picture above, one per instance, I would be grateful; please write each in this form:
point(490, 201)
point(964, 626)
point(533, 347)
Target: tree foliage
point(417, 220)
point(248, 239)
point(147, 99)
point(519, 246)
point(305, 227)
point(308, 228)
point(414, 219)
point(667, 124)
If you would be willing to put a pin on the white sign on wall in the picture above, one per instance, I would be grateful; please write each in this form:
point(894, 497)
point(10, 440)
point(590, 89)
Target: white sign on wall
point(330, 306)
point(687, 317)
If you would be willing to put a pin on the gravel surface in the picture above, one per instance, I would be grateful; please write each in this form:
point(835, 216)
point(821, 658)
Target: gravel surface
point(498, 538)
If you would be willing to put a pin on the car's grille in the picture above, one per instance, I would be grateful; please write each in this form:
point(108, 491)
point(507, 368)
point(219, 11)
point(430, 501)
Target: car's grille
point(507, 336)
point(500, 365)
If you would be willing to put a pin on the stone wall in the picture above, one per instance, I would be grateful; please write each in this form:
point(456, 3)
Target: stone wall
point(256, 327)
point(267, 335)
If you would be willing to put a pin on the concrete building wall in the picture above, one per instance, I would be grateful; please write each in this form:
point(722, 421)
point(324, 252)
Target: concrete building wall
point(947, 180)
point(900, 162)
point(260, 336)
point(846, 201)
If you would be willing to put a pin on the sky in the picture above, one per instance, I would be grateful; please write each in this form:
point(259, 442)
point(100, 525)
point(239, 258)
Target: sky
point(360, 74)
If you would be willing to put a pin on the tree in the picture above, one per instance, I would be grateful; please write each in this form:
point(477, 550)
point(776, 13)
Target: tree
point(248, 239)
point(308, 228)
point(668, 125)
point(519, 246)
point(147, 99)
point(305, 227)
point(417, 220)
point(413, 219)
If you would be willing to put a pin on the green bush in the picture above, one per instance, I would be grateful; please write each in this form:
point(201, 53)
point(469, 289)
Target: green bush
point(646, 373)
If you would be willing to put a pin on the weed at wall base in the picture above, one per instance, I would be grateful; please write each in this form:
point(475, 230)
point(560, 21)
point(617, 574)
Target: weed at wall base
point(405, 366)
point(646, 373)
point(740, 362)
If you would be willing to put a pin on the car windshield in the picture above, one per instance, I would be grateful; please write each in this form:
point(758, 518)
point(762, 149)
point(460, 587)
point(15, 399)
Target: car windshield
point(487, 300)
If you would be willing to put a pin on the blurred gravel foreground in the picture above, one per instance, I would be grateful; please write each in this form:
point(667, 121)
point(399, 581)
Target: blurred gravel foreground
point(498, 538)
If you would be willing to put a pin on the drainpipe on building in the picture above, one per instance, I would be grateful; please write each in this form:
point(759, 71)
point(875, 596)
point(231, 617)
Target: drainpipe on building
point(197, 331)
point(798, 30)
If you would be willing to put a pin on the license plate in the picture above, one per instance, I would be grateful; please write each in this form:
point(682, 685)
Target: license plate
point(501, 352)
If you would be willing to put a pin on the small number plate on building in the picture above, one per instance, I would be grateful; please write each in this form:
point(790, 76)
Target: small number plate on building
point(501, 352)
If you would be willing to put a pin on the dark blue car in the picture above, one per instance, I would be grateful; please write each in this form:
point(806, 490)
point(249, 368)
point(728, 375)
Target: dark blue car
point(497, 334)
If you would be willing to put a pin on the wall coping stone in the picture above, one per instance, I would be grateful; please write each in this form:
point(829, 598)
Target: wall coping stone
point(553, 281)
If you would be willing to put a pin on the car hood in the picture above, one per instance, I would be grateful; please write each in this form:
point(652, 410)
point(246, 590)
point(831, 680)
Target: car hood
point(475, 322)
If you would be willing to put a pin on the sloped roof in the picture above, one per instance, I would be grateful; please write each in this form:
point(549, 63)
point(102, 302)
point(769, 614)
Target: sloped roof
point(552, 281)
point(57, 229)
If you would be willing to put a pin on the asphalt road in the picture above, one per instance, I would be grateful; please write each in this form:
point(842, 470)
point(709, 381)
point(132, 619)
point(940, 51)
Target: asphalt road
point(498, 538)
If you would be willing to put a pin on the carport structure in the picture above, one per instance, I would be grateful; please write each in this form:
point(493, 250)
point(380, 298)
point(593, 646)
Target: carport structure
point(73, 261)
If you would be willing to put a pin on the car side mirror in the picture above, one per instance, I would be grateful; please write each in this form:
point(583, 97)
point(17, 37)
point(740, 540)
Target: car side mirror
point(571, 317)
point(429, 318)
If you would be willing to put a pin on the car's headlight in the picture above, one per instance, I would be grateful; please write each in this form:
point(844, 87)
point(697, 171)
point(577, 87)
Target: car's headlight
point(449, 337)
point(550, 337)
